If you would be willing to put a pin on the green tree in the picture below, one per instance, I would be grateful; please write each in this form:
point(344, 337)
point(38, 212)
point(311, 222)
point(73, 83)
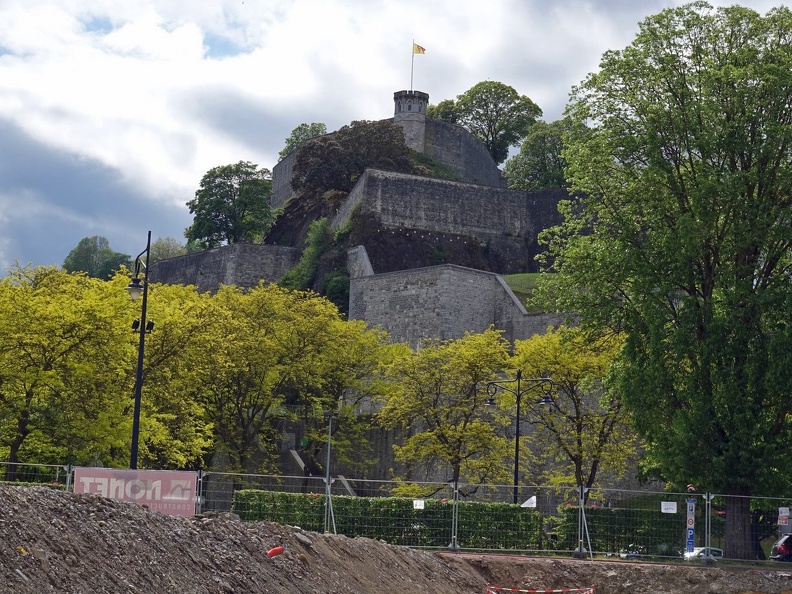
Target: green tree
point(437, 399)
point(680, 238)
point(94, 257)
point(175, 431)
point(539, 164)
point(493, 112)
point(231, 206)
point(62, 352)
point(299, 135)
point(278, 349)
point(586, 431)
point(336, 161)
point(445, 111)
point(166, 247)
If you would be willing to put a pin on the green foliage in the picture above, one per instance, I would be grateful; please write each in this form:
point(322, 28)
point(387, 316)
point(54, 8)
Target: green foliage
point(335, 161)
point(299, 135)
point(231, 206)
point(493, 112)
point(319, 241)
point(396, 521)
point(437, 399)
point(445, 111)
point(586, 430)
point(166, 247)
point(539, 164)
point(335, 286)
point(94, 257)
point(679, 237)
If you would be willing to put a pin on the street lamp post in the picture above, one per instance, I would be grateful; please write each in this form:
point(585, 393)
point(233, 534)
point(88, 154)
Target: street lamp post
point(136, 289)
point(533, 382)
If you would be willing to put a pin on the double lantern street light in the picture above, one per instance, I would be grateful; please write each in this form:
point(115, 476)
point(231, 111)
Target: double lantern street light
point(523, 386)
point(137, 288)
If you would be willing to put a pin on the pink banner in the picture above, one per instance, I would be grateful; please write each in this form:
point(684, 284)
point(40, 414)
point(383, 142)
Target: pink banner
point(171, 492)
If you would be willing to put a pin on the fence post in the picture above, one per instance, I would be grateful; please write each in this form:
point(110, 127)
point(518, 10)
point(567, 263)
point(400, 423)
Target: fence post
point(454, 546)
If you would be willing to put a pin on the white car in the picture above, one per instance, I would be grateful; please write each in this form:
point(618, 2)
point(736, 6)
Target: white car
point(701, 552)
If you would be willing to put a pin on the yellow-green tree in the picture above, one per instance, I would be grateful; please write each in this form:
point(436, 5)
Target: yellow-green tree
point(586, 431)
point(174, 429)
point(62, 359)
point(279, 350)
point(439, 401)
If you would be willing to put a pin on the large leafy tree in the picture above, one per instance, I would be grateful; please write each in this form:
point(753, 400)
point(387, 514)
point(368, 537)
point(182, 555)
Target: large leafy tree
point(299, 135)
point(539, 164)
point(279, 349)
point(231, 206)
point(585, 432)
point(493, 112)
point(438, 400)
point(681, 239)
point(62, 352)
point(93, 256)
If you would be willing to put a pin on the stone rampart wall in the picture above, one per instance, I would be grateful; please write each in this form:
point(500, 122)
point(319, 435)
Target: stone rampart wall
point(507, 221)
point(463, 153)
point(439, 302)
point(281, 180)
point(240, 264)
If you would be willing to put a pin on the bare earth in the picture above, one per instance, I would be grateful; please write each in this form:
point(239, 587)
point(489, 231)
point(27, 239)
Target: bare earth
point(52, 541)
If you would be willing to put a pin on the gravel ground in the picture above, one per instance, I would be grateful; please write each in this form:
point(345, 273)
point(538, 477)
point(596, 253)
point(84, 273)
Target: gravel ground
point(52, 541)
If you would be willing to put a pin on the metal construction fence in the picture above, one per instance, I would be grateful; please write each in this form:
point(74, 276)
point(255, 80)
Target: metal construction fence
point(627, 524)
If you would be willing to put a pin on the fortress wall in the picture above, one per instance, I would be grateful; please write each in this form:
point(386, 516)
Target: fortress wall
point(281, 180)
point(240, 264)
point(441, 302)
point(452, 207)
point(463, 153)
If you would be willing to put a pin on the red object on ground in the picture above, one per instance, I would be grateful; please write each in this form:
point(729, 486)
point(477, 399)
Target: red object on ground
point(274, 551)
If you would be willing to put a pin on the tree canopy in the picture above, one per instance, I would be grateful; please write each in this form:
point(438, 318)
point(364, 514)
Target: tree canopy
point(586, 431)
point(94, 257)
point(231, 206)
point(437, 397)
point(299, 135)
point(539, 164)
point(680, 238)
point(493, 112)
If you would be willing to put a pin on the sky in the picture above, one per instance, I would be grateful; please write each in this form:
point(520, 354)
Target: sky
point(111, 111)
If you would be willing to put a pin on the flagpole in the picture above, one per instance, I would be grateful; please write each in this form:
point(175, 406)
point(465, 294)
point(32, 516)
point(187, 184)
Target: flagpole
point(412, 64)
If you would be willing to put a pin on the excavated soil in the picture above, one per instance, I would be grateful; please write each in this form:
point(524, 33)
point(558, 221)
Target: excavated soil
point(51, 541)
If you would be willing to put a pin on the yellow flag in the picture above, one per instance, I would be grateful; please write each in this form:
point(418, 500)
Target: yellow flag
point(417, 49)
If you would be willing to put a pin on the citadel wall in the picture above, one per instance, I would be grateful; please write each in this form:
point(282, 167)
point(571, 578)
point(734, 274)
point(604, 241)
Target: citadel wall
point(240, 264)
point(460, 151)
point(506, 221)
point(441, 302)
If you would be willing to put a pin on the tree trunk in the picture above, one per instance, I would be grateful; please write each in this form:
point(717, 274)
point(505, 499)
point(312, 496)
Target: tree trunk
point(738, 543)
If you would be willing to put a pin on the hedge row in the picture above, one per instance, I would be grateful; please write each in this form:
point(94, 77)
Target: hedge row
point(397, 520)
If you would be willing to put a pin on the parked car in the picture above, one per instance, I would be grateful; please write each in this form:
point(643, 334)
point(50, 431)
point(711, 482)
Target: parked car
point(782, 549)
point(701, 552)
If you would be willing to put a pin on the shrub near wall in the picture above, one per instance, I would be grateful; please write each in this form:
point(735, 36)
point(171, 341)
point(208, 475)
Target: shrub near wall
point(395, 519)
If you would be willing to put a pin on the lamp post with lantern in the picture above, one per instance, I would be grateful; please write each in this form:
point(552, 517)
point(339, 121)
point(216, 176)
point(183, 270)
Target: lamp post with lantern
point(137, 288)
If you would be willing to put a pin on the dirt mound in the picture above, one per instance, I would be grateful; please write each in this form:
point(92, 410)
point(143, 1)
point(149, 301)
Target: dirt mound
point(52, 541)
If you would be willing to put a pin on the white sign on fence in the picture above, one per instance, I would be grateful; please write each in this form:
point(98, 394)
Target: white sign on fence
point(171, 492)
point(668, 507)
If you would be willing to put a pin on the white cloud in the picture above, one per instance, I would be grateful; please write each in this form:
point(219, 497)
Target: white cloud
point(153, 93)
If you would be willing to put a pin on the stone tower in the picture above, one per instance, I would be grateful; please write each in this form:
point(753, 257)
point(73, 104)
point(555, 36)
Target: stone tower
point(410, 114)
